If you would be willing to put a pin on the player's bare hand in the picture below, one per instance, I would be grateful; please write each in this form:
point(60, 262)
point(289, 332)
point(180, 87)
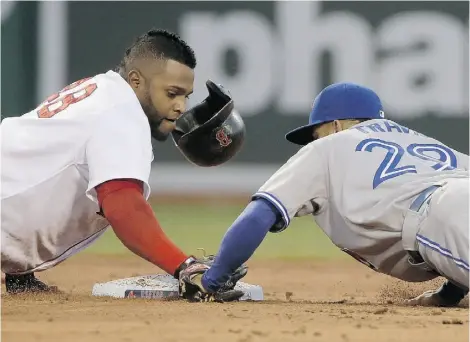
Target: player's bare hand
point(191, 288)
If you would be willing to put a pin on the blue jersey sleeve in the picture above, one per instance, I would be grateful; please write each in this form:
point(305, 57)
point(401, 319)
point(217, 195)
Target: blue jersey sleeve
point(240, 242)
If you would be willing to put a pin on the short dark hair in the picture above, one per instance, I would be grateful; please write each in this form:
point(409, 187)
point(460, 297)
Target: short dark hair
point(159, 44)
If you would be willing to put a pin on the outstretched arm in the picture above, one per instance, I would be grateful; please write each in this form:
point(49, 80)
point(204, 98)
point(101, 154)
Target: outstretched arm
point(292, 188)
point(240, 242)
point(135, 224)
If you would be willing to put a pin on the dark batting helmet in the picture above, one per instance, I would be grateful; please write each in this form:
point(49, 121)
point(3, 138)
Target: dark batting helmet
point(211, 132)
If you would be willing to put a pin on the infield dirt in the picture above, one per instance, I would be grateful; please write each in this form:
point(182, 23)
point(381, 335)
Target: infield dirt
point(327, 301)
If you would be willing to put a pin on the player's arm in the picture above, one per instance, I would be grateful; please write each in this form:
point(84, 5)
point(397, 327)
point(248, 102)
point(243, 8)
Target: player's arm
point(300, 180)
point(240, 242)
point(119, 156)
point(134, 223)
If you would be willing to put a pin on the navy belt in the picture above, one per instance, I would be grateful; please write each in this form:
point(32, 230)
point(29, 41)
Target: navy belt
point(423, 197)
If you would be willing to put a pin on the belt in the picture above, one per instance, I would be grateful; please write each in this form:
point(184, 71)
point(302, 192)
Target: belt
point(423, 198)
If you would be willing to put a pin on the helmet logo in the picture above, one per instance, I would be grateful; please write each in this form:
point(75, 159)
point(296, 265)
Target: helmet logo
point(222, 137)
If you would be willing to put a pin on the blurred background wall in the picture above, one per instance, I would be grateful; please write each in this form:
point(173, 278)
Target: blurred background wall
point(274, 57)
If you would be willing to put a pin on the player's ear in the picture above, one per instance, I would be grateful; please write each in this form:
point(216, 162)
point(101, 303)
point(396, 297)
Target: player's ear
point(337, 126)
point(134, 79)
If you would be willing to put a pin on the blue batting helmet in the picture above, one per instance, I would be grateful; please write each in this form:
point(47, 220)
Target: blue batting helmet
point(338, 101)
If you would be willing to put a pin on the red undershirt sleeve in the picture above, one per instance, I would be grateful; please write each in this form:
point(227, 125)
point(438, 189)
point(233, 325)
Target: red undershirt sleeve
point(135, 224)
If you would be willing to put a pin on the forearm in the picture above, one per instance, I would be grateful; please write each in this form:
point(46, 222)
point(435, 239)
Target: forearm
point(134, 223)
point(240, 242)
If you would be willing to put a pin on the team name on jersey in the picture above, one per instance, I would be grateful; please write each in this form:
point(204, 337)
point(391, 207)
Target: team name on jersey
point(386, 126)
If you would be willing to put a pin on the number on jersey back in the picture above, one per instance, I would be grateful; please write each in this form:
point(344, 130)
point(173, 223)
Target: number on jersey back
point(443, 158)
point(60, 101)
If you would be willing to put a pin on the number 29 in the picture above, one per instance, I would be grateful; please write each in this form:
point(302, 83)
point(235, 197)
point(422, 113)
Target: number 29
point(389, 167)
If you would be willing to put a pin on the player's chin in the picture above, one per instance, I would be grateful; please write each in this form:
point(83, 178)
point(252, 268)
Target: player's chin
point(159, 135)
point(162, 132)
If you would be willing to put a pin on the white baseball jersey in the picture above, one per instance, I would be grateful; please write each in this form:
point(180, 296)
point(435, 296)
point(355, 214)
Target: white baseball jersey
point(52, 159)
point(359, 184)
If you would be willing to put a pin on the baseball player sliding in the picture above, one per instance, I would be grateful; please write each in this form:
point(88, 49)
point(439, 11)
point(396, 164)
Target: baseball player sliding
point(81, 160)
point(392, 198)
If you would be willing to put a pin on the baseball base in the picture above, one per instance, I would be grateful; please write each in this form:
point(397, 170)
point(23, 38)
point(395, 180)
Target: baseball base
point(159, 286)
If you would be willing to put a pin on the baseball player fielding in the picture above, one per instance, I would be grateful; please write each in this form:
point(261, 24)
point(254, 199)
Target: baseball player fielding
point(392, 198)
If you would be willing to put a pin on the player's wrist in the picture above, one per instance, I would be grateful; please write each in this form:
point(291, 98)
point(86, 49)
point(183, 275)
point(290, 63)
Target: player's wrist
point(188, 261)
point(205, 284)
point(209, 284)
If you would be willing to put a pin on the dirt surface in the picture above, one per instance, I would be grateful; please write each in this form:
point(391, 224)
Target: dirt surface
point(305, 301)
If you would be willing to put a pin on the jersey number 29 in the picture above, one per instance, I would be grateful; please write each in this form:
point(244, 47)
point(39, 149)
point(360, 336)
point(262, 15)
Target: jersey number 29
point(58, 102)
point(389, 168)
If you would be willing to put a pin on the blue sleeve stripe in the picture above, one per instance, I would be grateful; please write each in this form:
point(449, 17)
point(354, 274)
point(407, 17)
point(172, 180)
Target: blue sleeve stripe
point(278, 204)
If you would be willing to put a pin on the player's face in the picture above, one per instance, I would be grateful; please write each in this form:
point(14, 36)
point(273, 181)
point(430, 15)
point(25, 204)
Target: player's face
point(323, 130)
point(332, 127)
point(164, 97)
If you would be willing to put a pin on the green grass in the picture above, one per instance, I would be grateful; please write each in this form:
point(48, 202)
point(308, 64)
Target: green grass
point(203, 226)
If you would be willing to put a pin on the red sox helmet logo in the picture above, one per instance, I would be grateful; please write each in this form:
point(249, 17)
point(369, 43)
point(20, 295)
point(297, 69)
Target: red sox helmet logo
point(222, 136)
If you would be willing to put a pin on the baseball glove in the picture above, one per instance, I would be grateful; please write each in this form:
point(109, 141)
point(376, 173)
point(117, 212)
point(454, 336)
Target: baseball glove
point(191, 288)
point(234, 278)
point(190, 282)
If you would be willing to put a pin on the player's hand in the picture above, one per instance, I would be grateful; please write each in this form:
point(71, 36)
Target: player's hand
point(234, 278)
point(191, 288)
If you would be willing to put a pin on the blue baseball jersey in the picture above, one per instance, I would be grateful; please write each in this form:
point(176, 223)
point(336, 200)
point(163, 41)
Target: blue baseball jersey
point(358, 186)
